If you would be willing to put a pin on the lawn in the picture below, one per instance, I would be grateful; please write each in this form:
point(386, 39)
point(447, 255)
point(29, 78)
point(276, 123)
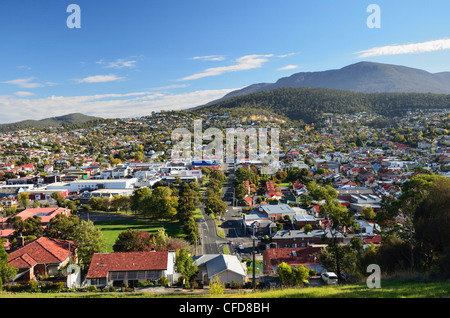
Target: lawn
point(112, 229)
point(389, 289)
point(392, 288)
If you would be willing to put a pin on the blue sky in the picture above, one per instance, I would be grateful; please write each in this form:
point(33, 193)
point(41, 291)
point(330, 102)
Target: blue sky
point(132, 57)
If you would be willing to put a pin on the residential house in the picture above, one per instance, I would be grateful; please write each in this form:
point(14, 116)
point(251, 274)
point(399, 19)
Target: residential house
point(275, 212)
point(272, 192)
point(358, 202)
point(46, 214)
point(302, 219)
point(331, 166)
point(298, 238)
point(48, 168)
point(306, 256)
point(43, 256)
point(227, 267)
point(127, 269)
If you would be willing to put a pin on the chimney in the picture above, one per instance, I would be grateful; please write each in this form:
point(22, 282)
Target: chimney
point(21, 240)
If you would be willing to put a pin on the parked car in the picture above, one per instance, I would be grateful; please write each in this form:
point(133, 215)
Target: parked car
point(329, 278)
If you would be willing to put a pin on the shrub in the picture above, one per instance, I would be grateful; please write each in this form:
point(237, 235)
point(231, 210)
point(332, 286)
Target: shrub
point(32, 286)
point(109, 289)
point(90, 289)
point(163, 281)
point(53, 287)
point(216, 286)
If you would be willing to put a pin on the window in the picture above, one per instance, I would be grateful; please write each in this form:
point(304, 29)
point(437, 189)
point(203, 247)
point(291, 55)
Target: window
point(98, 281)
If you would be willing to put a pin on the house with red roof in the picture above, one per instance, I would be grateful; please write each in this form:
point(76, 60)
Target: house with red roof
point(272, 192)
point(306, 256)
point(28, 167)
point(46, 214)
point(127, 269)
point(43, 256)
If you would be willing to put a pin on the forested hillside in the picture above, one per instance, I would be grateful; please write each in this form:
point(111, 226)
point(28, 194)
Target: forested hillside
point(309, 104)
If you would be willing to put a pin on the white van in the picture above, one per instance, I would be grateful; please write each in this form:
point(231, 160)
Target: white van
point(329, 278)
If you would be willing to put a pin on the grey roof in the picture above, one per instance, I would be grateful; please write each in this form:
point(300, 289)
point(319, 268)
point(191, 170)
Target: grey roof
point(286, 234)
point(218, 263)
point(304, 218)
point(276, 209)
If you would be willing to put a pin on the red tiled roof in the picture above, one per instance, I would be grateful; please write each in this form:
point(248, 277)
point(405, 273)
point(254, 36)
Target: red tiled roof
point(44, 250)
point(46, 214)
point(303, 255)
point(376, 239)
point(101, 264)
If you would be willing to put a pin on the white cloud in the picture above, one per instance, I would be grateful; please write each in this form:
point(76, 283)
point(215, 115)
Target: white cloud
point(103, 105)
point(243, 63)
point(210, 58)
point(162, 88)
point(286, 55)
point(100, 79)
point(287, 67)
point(121, 63)
point(24, 82)
point(118, 64)
point(23, 94)
point(411, 48)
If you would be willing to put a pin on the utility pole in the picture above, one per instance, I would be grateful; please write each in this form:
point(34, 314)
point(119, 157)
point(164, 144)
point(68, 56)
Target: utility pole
point(254, 265)
point(69, 270)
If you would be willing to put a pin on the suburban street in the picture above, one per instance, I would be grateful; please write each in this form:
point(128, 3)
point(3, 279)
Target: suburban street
point(235, 236)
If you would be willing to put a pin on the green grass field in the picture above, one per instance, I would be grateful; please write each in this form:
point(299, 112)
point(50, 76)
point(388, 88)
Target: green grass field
point(390, 288)
point(112, 229)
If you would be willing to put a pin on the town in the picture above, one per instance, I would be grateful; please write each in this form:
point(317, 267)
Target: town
point(335, 204)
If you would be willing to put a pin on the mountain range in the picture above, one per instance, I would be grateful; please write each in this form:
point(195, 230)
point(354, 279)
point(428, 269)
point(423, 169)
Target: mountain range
point(364, 77)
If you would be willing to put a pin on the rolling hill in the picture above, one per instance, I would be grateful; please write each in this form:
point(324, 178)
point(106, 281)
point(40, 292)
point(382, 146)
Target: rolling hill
point(74, 118)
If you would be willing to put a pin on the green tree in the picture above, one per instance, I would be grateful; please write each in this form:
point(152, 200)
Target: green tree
point(89, 240)
point(300, 274)
point(162, 204)
point(140, 200)
point(63, 227)
point(214, 204)
point(399, 213)
point(241, 191)
point(432, 223)
point(244, 174)
point(368, 213)
point(216, 286)
point(132, 240)
point(284, 272)
point(217, 175)
point(185, 264)
point(7, 272)
point(24, 199)
point(186, 202)
point(96, 203)
point(190, 228)
point(307, 228)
